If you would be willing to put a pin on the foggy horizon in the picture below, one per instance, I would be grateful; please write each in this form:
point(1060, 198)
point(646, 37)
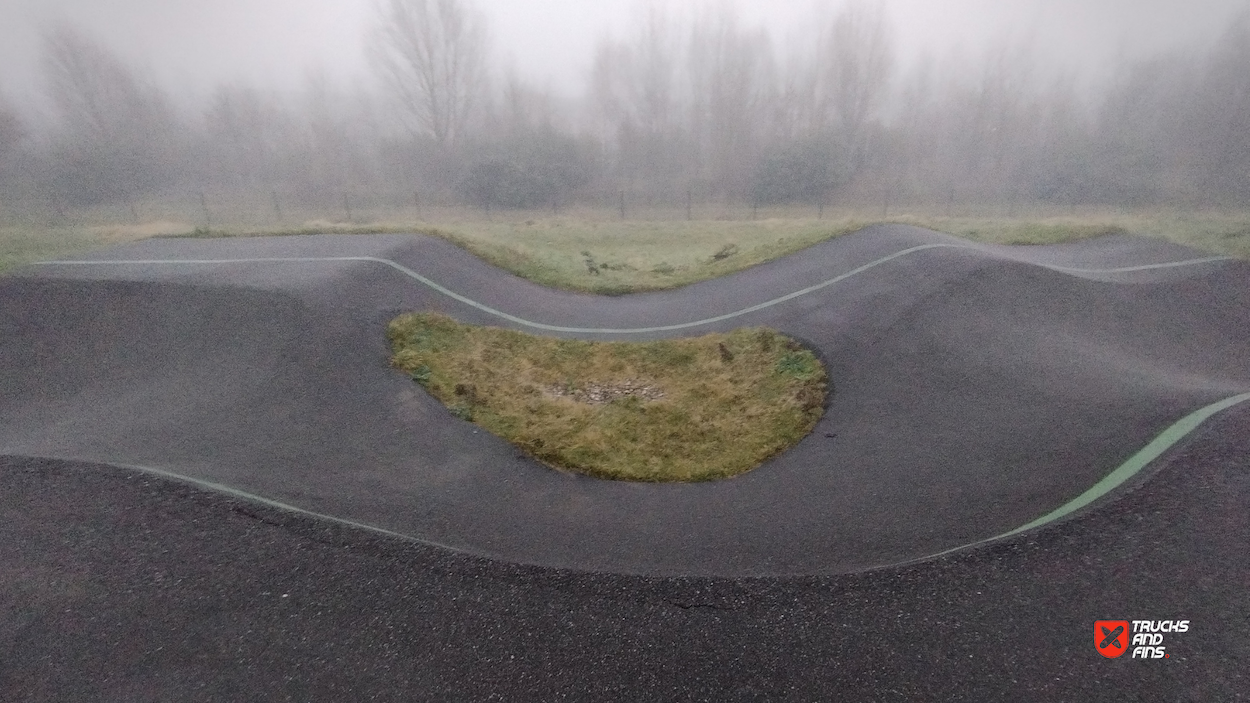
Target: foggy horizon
point(529, 104)
point(190, 49)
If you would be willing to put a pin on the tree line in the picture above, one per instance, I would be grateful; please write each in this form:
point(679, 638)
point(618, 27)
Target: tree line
point(704, 108)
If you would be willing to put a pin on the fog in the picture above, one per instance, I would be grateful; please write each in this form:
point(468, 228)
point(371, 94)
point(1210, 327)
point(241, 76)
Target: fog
point(965, 101)
point(193, 45)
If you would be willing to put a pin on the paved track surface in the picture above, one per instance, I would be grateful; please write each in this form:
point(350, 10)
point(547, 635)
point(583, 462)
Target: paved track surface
point(977, 388)
point(121, 587)
point(975, 391)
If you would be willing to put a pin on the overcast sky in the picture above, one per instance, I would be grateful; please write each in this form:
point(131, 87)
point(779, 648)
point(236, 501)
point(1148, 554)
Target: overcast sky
point(189, 45)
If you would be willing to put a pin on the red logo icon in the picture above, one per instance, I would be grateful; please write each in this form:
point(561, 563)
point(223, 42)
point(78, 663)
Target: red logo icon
point(1111, 637)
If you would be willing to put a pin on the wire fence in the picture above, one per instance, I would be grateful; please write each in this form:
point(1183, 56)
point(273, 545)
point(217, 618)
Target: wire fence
point(269, 208)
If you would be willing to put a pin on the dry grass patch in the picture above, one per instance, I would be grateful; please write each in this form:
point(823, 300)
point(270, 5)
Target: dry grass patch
point(693, 409)
point(616, 257)
point(24, 243)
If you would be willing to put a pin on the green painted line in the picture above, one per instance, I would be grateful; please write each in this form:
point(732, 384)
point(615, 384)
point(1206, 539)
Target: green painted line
point(1113, 480)
point(608, 330)
point(1130, 468)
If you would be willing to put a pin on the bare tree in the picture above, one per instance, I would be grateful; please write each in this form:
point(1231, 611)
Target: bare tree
point(247, 132)
point(1058, 161)
point(119, 135)
point(854, 71)
point(915, 145)
point(522, 107)
point(329, 141)
point(1218, 133)
point(1139, 122)
point(433, 53)
point(635, 82)
point(730, 75)
point(635, 86)
point(97, 96)
point(998, 123)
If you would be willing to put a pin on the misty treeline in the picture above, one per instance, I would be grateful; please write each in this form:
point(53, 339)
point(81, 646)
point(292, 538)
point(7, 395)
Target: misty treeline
point(704, 109)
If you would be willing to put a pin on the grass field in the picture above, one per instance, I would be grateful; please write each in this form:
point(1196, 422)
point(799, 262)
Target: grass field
point(596, 251)
point(693, 409)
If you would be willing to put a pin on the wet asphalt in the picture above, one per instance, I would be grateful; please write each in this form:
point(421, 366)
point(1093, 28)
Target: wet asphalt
point(974, 391)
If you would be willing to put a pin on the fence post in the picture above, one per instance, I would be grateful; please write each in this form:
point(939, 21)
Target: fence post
point(688, 203)
point(277, 207)
point(622, 204)
point(347, 207)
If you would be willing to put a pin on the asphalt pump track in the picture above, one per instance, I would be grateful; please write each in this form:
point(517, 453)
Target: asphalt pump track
point(981, 393)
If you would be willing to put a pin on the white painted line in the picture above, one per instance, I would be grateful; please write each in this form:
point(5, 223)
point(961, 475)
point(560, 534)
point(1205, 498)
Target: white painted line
point(607, 330)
